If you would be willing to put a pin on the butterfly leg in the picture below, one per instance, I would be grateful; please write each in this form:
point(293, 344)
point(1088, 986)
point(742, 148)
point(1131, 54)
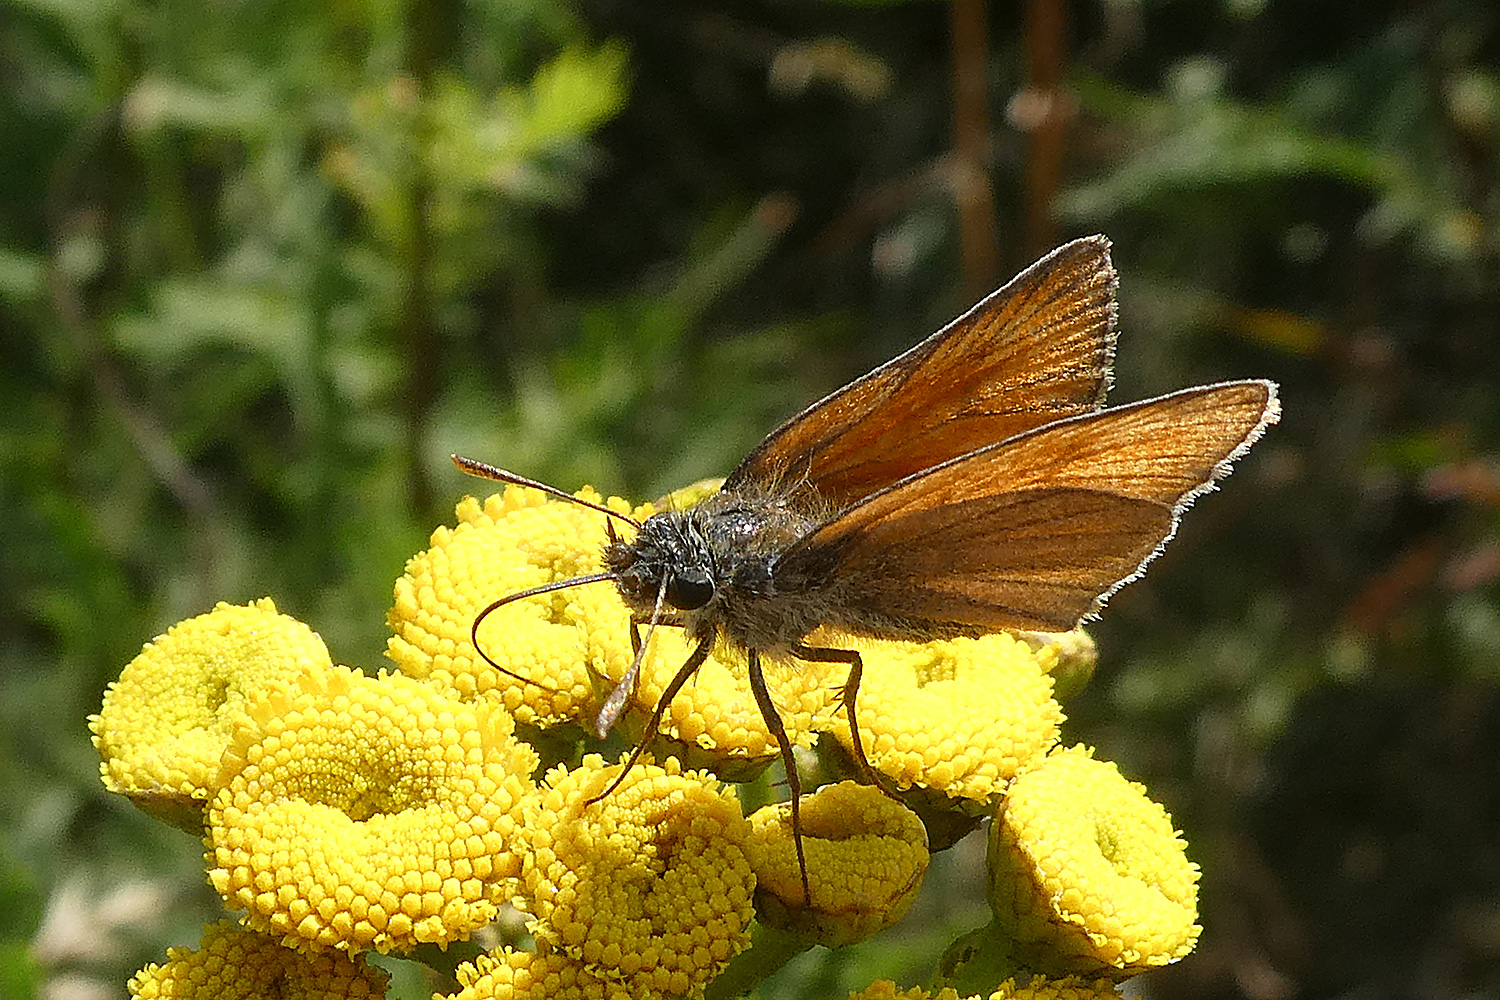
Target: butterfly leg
point(636, 621)
point(689, 667)
point(849, 694)
point(793, 781)
point(614, 705)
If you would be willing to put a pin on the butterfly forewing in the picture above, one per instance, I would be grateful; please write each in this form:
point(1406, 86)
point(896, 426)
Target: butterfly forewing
point(1036, 351)
point(1036, 531)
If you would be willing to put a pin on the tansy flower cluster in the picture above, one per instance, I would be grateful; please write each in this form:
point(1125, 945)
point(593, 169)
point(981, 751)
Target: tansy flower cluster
point(344, 812)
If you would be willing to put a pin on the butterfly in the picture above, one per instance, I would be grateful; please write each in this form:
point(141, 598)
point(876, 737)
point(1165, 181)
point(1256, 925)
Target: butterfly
point(975, 483)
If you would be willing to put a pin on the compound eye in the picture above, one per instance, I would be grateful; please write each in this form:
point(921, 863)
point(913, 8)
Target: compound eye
point(690, 590)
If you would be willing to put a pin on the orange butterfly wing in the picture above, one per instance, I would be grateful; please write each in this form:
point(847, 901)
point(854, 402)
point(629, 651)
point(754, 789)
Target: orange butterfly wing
point(1031, 533)
point(1036, 351)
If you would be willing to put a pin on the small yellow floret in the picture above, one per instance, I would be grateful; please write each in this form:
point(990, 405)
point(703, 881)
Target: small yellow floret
point(233, 963)
point(866, 855)
point(960, 717)
point(166, 721)
point(360, 812)
point(1088, 874)
point(1077, 656)
point(650, 885)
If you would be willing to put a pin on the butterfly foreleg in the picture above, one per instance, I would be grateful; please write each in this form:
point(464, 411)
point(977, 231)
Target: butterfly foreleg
point(636, 621)
point(689, 667)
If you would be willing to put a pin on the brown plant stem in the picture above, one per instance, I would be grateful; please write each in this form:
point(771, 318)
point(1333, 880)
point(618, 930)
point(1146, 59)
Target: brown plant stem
point(973, 194)
point(1043, 108)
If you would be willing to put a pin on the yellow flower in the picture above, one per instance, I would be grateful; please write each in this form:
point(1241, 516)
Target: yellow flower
point(512, 542)
point(1087, 874)
point(649, 886)
point(523, 975)
point(166, 721)
point(232, 963)
point(960, 717)
point(362, 812)
point(866, 855)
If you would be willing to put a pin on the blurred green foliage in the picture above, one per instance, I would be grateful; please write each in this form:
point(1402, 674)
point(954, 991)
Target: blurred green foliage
point(264, 266)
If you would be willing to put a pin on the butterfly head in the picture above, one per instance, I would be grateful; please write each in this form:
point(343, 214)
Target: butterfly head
point(670, 549)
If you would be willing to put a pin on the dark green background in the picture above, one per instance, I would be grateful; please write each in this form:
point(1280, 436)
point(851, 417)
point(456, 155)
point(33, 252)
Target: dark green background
point(263, 265)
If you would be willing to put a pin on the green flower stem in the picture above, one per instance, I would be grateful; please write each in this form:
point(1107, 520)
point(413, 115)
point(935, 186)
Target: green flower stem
point(976, 963)
point(769, 950)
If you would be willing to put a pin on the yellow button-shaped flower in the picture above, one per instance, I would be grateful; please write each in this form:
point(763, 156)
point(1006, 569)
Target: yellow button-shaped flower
point(1066, 988)
point(1087, 873)
point(544, 647)
point(715, 717)
point(361, 812)
point(649, 886)
point(960, 717)
point(1077, 656)
point(524, 975)
point(166, 721)
point(866, 855)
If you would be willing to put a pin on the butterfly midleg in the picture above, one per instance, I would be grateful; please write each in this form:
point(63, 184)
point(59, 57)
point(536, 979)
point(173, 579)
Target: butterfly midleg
point(819, 654)
point(689, 667)
point(793, 781)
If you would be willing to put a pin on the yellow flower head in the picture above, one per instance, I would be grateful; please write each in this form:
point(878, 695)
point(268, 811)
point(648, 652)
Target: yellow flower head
point(233, 963)
point(650, 885)
point(1087, 873)
point(866, 856)
point(960, 717)
point(168, 718)
point(513, 541)
point(524, 975)
point(363, 812)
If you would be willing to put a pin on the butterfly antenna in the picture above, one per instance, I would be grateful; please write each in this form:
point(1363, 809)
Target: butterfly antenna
point(484, 470)
point(615, 703)
point(546, 588)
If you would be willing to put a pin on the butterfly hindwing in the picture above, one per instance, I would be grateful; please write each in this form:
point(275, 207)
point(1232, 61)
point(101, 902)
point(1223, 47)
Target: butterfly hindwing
point(1034, 532)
